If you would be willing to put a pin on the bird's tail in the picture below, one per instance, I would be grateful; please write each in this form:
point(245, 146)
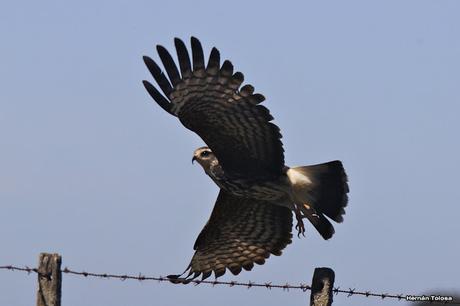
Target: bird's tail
point(320, 190)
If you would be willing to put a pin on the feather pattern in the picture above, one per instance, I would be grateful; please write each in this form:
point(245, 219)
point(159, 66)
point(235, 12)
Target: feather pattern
point(241, 232)
point(209, 102)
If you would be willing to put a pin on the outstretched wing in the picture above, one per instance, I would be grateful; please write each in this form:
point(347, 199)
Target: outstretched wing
point(239, 233)
point(209, 101)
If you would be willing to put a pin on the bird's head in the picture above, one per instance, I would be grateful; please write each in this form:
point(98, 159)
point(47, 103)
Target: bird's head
point(204, 157)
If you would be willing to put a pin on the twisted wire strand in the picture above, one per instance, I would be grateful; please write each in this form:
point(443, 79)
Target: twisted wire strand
point(268, 285)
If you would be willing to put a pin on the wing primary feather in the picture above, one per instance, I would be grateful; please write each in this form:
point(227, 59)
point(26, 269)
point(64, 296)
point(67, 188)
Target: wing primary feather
point(219, 273)
point(158, 97)
point(176, 278)
point(169, 65)
point(206, 274)
point(265, 112)
point(197, 54)
point(259, 261)
point(235, 270)
point(158, 75)
point(257, 98)
point(184, 58)
point(247, 90)
point(248, 266)
point(196, 274)
point(227, 68)
point(214, 62)
point(237, 78)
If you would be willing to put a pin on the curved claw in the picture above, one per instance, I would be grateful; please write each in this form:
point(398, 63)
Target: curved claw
point(300, 227)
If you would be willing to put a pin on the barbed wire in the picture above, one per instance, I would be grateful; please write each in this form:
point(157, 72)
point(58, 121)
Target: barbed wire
point(268, 285)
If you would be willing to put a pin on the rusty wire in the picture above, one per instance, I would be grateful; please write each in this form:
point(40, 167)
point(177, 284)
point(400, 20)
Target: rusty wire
point(268, 285)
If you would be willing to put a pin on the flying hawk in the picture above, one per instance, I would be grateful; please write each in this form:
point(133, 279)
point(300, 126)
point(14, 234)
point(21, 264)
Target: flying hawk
point(252, 216)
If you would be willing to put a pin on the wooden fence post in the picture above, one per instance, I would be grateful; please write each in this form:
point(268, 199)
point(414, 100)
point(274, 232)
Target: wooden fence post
point(321, 287)
point(49, 280)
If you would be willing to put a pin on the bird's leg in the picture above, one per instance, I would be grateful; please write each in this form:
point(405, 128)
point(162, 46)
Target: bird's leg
point(299, 226)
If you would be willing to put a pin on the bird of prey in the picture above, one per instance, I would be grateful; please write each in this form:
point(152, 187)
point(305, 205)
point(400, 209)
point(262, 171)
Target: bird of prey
point(244, 156)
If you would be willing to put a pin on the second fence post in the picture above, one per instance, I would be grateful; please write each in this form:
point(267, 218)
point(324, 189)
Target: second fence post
point(321, 287)
point(49, 280)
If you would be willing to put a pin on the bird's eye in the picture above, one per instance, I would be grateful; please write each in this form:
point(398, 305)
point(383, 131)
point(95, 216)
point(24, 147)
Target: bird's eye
point(204, 153)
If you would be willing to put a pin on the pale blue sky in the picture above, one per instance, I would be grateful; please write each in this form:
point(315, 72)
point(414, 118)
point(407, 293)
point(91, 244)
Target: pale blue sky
point(92, 169)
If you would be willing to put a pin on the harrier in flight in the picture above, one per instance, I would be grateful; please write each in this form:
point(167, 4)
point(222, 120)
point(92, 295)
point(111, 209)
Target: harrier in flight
point(252, 216)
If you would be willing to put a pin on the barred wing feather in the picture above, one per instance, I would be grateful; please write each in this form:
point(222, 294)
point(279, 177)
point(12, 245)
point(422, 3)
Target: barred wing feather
point(211, 102)
point(241, 232)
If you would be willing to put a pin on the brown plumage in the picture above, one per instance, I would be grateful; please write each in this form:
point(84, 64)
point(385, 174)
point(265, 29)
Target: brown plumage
point(208, 102)
point(239, 233)
point(252, 217)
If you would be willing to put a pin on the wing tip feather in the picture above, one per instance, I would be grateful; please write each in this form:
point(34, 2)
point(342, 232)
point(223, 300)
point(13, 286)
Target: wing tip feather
point(151, 65)
point(197, 54)
point(157, 96)
point(177, 40)
point(213, 62)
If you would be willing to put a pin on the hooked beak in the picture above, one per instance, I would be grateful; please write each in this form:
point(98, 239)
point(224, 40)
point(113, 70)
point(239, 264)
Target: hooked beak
point(193, 159)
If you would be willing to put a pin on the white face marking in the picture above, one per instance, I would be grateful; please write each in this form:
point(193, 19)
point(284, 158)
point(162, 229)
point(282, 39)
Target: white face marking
point(205, 158)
